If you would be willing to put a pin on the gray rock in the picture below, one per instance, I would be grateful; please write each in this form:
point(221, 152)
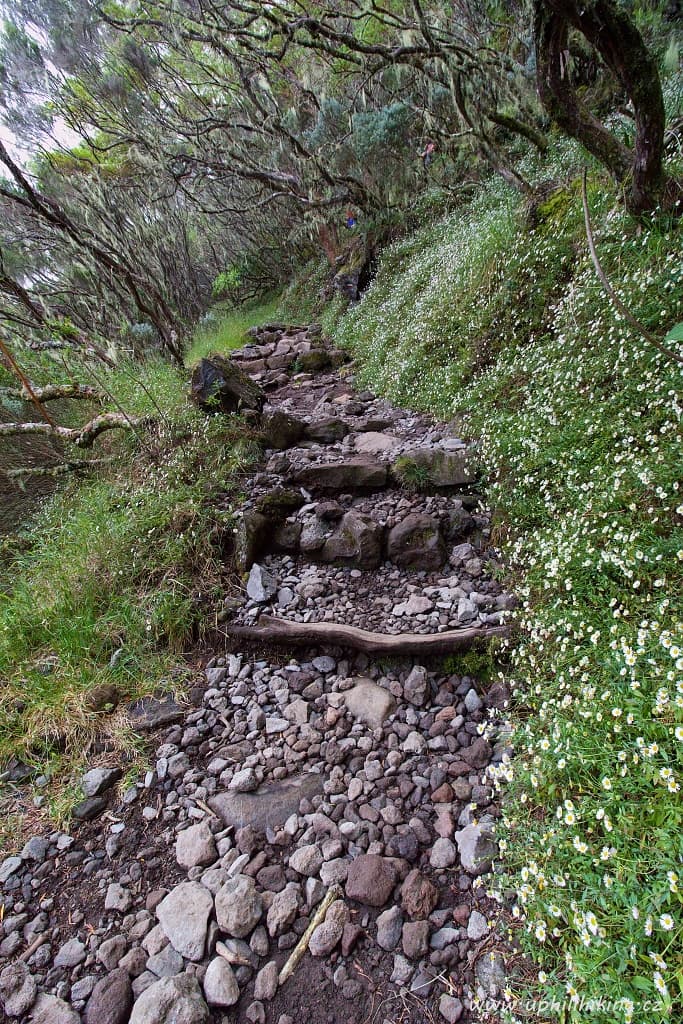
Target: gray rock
point(117, 898)
point(36, 849)
point(416, 686)
point(389, 925)
point(89, 808)
point(171, 1001)
point(374, 443)
point(490, 974)
point(244, 781)
point(166, 963)
point(265, 985)
point(111, 951)
point(357, 541)
point(473, 701)
point(261, 585)
point(326, 936)
point(150, 713)
point(184, 916)
point(415, 938)
point(416, 543)
point(99, 780)
point(324, 664)
point(70, 954)
point(48, 1009)
point(8, 867)
point(18, 989)
point(444, 937)
point(306, 860)
point(327, 431)
point(271, 805)
point(111, 1000)
point(450, 1008)
point(238, 906)
point(360, 473)
point(476, 848)
point(477, 927)
point(369, 703)
point(195, 846)
point(443, 854)
point(220, 984)
point(283, 910)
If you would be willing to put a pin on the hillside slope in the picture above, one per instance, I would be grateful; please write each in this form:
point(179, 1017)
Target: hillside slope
point(495, 316)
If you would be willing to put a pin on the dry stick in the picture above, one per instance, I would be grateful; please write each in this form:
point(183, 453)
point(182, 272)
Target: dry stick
point(616, 301)
point(302, 945)
point(30, 950)
point(25, 383)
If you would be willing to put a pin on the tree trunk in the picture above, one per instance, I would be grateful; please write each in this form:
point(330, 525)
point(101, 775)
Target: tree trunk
point(612, 33)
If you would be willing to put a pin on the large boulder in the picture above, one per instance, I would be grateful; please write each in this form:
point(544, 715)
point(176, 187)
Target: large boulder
point(355, 474)
point(219, 385)
point(18, 989)
point(281, 430)
point(436, 467)
point(417, 543)
point(327, 431)
point(357, 540)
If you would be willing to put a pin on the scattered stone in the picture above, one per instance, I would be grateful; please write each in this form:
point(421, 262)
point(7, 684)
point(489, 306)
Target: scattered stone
point(389, 926)
point(98, 780)
point(111, 1000)
point(150, 713)
point(220, 983)
point(17, 989)
point(419, 896)
point(118, 898)
point(476, 848)
point(238, 906)
point(369, 703)
point(265, 985)
point(306, 860)
point(370, 880)
point(415, 937)
point(450, 1008)
point(326, 936)
point(70, 954)
point(477, 926)
point(443, 854)
point(184, 916)
point(195, 846)
point(171, 1001)
point(49, 1009)
point(261, 585)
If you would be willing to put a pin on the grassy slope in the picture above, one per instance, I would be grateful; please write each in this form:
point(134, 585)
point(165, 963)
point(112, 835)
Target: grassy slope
point(505, 327)
point(129, 560)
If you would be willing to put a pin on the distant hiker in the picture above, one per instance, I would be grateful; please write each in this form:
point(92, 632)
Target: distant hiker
point(351, 219)
point(428, 153)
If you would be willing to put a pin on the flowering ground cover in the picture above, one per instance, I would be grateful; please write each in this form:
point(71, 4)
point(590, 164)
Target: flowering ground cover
point(494, 316)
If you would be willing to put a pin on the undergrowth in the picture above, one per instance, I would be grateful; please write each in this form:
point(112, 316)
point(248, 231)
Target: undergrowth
point(495, 318)
point(115, 578)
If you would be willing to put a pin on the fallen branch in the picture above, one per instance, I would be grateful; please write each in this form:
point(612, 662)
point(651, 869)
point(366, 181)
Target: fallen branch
point(82, 437)
point(26, 385)
point(273, 630)
point(612, 295)
point(334, 893)
point(60, 469)
point(53, 392)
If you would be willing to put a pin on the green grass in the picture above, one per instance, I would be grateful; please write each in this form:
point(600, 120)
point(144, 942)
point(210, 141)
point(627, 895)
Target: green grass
point(130, 560)
point(497, 319)
point(224, 330)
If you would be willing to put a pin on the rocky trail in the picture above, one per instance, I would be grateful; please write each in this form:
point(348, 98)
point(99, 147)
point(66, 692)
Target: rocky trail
point(332, 766)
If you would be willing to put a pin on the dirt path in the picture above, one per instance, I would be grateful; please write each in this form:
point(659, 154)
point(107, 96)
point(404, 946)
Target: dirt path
point(330, 749)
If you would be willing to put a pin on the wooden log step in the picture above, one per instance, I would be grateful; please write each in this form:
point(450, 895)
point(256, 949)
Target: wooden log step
point(270, 629)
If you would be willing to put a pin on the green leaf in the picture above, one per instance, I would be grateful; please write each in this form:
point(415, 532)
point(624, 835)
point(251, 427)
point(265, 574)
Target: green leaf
point(675, 334)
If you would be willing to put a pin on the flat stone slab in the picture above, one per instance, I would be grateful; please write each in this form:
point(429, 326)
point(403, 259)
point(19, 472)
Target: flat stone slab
point(153, 712)
point(269, 805)
point(360, 473)
point(374, 443)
